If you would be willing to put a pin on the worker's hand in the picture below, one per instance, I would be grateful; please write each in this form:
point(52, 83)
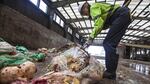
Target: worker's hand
point(88, 42)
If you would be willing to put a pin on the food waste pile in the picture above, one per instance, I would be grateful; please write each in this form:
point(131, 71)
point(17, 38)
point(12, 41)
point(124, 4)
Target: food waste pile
point(69, 65)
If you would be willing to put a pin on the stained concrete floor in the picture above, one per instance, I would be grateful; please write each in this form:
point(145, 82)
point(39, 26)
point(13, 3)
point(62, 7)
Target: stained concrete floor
point(129, 71)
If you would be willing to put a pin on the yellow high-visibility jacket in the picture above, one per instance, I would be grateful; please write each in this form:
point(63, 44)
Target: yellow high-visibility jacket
point(99, 12)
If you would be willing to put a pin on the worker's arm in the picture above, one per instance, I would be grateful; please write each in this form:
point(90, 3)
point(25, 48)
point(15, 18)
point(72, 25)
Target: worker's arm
point(98, 24)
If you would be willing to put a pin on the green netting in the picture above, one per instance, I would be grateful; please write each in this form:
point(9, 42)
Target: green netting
point(22, 56)
point(8, 60)
point(21, 49)
point(38, 56)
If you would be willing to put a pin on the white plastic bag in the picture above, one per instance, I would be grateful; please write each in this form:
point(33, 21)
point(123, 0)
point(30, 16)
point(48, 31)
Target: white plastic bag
point(94, 70)
point(6, 47)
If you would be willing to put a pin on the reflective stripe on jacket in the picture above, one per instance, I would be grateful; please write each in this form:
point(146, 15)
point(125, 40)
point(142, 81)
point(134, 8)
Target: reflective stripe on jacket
point(101, 9)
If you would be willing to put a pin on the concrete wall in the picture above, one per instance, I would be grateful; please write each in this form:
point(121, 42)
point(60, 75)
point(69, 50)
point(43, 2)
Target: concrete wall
point(28, 9)
point(19, 29)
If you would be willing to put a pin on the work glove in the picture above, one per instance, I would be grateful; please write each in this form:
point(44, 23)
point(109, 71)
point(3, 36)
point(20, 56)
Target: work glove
point(88, 42)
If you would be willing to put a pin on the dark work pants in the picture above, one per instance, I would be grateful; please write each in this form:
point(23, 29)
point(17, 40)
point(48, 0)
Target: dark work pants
point(118, 22)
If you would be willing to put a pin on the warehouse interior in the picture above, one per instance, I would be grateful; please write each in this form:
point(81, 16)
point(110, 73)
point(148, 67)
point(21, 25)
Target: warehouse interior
point(52, 24)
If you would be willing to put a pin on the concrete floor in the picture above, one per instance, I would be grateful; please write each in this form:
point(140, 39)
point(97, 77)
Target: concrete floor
point(133, 72)
point(129, 72)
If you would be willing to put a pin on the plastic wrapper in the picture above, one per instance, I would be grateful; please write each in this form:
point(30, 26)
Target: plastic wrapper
point(73, 59)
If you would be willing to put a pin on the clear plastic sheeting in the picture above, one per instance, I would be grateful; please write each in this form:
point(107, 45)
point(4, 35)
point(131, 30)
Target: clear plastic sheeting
point(74, 58)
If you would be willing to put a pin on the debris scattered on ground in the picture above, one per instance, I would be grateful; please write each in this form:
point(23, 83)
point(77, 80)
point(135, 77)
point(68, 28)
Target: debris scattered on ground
point(69, 64)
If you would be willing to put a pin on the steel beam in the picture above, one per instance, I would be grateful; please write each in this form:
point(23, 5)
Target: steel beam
point(86, 28)
point(89, 33)
point(124, 35)
point(64, 2)
point(82, 19)
point(141, 18)
point(137, 45)
point(121, 39)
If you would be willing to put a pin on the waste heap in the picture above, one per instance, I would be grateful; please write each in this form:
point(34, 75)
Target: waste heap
point(72, 66)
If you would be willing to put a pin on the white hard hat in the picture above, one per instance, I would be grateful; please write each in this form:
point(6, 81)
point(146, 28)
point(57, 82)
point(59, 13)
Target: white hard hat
point(80, 7)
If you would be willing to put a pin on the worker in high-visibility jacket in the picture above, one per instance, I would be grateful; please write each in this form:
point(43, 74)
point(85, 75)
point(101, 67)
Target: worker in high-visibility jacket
point(114, 17)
